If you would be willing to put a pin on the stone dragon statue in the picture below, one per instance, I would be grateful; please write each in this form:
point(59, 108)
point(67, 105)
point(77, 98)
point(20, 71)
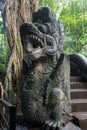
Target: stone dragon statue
point(45, 88)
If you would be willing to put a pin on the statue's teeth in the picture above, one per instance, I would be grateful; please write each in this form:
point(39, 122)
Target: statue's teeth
point(36, 38)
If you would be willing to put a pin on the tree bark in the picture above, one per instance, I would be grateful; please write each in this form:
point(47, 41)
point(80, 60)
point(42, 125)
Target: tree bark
point(15, 13)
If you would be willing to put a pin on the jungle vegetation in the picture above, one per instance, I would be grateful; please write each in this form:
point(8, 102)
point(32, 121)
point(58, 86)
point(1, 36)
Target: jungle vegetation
point(73, 14)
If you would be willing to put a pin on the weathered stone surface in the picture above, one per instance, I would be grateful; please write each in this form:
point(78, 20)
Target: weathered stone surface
point(46, 89)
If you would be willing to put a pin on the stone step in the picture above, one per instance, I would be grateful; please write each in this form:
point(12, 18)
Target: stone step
point(76, 79)
point(71, 126)
point(80, 119)
point(78, 93)
point(79, 101)
point(79, 105)
point(77, 85)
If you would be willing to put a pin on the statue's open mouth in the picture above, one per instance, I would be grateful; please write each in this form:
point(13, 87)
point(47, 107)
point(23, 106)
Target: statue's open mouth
point(35, 47)
point(37, 44)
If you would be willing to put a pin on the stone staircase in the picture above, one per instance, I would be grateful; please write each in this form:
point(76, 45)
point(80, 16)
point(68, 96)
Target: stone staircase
point(79, 102)
point(79, 106)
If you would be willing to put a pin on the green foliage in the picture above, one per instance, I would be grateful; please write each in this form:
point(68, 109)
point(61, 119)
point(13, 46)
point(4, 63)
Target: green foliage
point(3, 47)
point(1, 27)
point(74, 19)
point(49, 3)
point(3, 52)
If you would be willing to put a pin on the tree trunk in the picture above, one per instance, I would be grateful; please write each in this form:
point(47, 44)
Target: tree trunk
point(15, 13)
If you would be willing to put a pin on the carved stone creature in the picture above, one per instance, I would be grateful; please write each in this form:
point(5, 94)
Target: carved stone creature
point(78, 65)
point(43, 92)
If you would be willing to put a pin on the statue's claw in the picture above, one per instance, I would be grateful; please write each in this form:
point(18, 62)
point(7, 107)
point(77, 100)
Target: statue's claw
point(51, 125)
